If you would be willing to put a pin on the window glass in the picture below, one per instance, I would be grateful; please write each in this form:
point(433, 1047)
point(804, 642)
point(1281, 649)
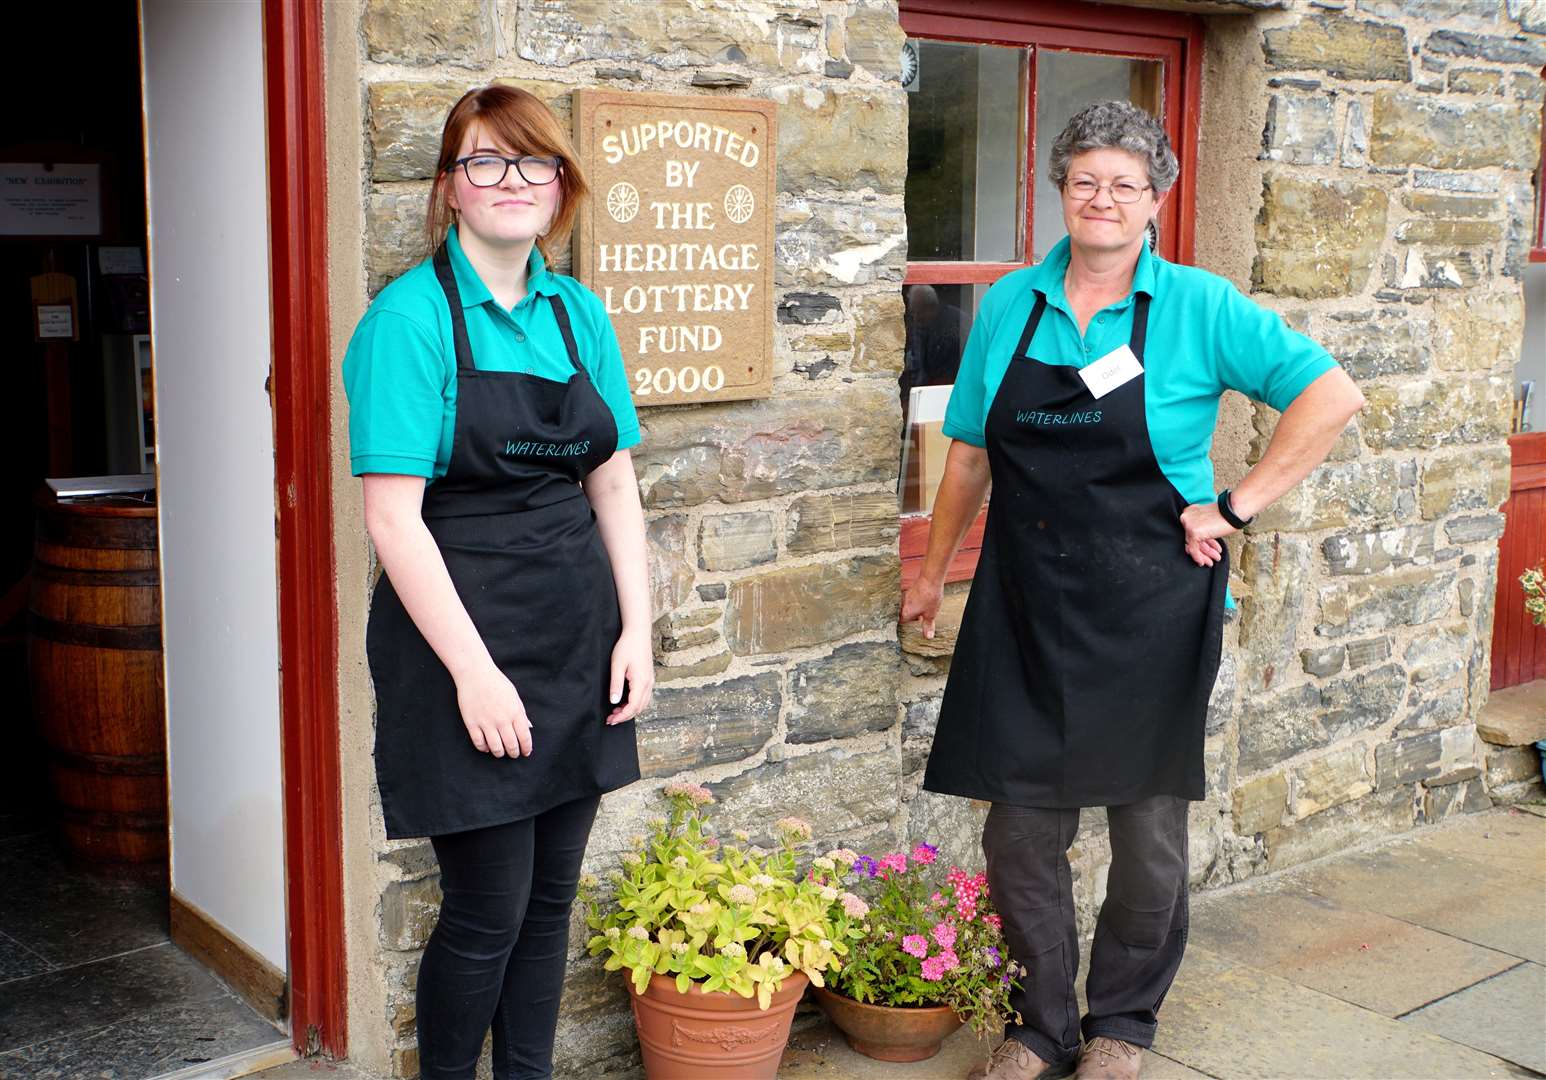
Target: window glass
point(966, 153)
point(1065, 83)
point(939, 318)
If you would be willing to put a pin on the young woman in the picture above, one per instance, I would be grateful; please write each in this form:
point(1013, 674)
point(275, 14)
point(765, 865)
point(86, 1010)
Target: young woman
point(509, 637)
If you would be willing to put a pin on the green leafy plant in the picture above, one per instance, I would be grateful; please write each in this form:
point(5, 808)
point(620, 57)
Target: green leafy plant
point(1534, 582)
point(727, 916)
point(932, 939)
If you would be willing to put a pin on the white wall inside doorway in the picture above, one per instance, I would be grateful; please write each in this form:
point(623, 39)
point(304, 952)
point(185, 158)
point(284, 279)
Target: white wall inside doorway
point(207, 188)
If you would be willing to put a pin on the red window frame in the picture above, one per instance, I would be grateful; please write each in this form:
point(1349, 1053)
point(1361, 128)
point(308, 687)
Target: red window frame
point(1175, 39)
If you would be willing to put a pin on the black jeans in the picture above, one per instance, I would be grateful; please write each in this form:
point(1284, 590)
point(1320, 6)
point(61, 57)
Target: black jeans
point(1140, 934)
point(496, 958)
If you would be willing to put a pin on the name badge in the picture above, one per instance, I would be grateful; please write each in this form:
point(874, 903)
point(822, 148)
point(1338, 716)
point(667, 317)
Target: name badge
point(1111, 371)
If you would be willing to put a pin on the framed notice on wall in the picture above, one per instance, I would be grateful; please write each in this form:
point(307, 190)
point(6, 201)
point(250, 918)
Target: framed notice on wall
point(676, 238)
point(50, 199)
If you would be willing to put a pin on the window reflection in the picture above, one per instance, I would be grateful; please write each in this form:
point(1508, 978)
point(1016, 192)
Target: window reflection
point(939, 320)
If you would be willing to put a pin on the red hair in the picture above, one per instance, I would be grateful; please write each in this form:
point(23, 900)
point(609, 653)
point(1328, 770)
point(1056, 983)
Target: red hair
point(519, 120)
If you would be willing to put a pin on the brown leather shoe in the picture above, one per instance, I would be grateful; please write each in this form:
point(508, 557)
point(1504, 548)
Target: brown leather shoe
point(1013, 1060)
point(1105, 1058)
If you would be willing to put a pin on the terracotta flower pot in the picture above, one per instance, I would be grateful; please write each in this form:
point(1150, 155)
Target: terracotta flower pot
point(889, 1033)
point(715, 1036)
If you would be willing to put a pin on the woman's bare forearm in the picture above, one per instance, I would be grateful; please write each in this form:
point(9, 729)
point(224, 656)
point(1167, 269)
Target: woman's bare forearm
point(417, 570)
point(961, 490)
point(614, 496)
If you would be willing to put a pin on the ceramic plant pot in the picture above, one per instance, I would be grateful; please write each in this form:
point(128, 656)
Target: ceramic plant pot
point(715, 1036)
point(889, 1033)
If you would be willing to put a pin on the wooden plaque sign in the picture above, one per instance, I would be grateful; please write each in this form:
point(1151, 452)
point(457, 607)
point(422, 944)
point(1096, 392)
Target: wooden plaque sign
point(677, 239)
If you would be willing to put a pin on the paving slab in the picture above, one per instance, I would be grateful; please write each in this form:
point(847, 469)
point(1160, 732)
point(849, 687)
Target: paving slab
point(1364, 957)
point(1502, 1016)
point(1228, 1020)
point(1453, 895)
point(1514, 842)
point(315, 1069)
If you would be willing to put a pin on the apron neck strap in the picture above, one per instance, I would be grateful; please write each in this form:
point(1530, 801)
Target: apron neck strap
point(447, 278)
point(561, 314)
point(1140, 324)
point(1024, 348)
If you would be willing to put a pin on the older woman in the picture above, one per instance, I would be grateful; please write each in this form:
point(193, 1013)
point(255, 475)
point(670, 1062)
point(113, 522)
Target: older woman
point(1088, 394)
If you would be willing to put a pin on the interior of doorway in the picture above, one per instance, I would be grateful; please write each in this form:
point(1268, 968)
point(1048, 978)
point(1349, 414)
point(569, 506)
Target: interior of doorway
point(90, 979)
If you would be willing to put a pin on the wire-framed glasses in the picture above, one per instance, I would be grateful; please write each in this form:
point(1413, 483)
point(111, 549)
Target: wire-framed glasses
point(1084, 189)
point(488, 170)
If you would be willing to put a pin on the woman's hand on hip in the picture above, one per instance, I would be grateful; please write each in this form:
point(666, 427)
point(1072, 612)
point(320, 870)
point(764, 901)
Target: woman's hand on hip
point(921, 601)
point(493, 713)
point(1204, 527)
point(633, 663)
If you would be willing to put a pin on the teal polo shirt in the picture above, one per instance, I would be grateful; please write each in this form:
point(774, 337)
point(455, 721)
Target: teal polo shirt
point(400, 369)
point(1204, 337)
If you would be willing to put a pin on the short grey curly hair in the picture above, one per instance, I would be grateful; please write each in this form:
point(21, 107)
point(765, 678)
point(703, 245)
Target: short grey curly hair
point(1122, 126)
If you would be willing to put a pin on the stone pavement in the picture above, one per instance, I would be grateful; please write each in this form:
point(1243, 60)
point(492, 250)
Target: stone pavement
point(1423, 957)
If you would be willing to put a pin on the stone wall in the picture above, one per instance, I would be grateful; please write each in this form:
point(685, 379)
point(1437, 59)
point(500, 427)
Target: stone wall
point(1389, 150)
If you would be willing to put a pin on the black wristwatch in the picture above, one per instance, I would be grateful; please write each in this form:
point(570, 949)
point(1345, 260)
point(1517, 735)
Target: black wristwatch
point(1227, 509)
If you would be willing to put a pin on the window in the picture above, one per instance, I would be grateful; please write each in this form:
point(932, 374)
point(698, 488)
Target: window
point(987, 93)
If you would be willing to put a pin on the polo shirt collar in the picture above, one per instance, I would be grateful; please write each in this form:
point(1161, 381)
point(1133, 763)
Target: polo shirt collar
point(1047, 278)
point(539, 279)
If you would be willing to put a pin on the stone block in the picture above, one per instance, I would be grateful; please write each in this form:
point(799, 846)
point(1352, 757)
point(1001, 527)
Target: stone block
point(766, 35)
point(1515, 716)
point(1526, 87)
point(1323, 662)
point(1468, 182)
point(879, 334)
point(674, 669)
point(1334, 778)
point(1450, 753)
point(1430, 413)
point(671, 574)
point(690, 727)
point(1364, 701)
point(736, 541)
point(1475, 480)
point(1476, 81)
point(1384, 341)
point(808, 309)
point(796, 443)
point(1505, 50)
point(849, 798)
point(1441, 133)
point(1408, 598)
point(423, 32)
point(1317, 238)
point(1438, 655)
point(798, 606)
point(1428, 711)
point(1348, 48)
point(1478, 331)
point(406, 119)
point(1449, 233)
point(823, 243)
point(1373, 552)
point(918, 723)
point(834, 522)
point(1355, 137)
point(1278, 726)
point(408, 912)
point(1369, 651)
point(1381, 813)
point(1475, 528)
point(1277, 568)
point(1431, 204)
point(1512, 764)
point(947, 625)
point(394, 223)
point(873, 39)
point(1436, 268)
point(847, 139)
point(1335, 496)
point(1299, 130)
point(847, 693)
point(1260, 804)
point(1447, 800)
point(1221, 701)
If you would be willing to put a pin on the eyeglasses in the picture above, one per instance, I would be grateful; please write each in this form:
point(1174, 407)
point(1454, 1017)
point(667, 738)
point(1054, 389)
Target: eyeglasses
point(488, 170)
point(1122, 191)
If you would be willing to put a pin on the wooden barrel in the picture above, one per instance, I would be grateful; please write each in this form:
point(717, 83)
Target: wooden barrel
point(94, 656)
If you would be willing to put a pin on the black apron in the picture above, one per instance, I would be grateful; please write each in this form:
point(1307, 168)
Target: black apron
point(1090, 642)
point(521, 544)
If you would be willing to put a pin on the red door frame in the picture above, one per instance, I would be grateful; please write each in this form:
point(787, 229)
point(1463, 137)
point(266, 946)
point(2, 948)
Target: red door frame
point(308, 622)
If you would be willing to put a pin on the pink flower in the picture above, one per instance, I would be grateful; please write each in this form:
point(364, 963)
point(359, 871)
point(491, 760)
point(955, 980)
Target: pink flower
point(934, 968)
point(925, 854)
point(948, 960)
point(854, 907)
point(895, 861)
point(916, 945)
point(937, 900)
point(944, 935)
point(994, 921)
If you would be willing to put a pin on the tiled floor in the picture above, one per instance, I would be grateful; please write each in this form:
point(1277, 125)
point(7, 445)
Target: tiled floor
point(90, 984)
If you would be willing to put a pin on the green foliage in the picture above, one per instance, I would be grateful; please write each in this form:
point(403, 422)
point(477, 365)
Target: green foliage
point(727, 917)
point(1534, 582)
